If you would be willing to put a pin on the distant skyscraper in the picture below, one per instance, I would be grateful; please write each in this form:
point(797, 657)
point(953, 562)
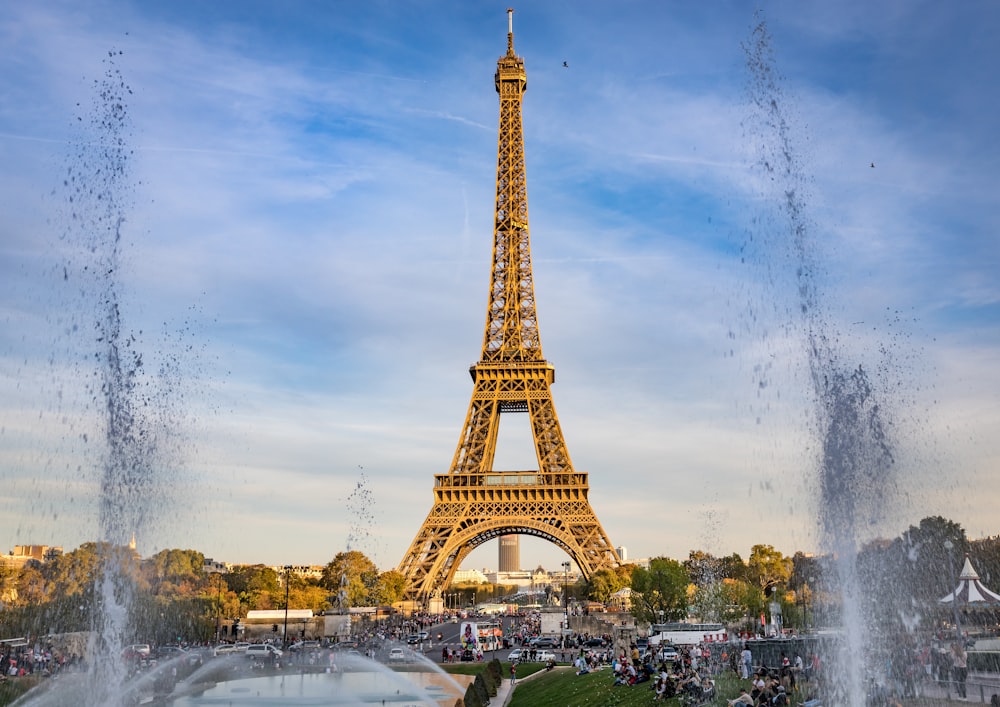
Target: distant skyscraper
point(510, 553)
point(623, 553)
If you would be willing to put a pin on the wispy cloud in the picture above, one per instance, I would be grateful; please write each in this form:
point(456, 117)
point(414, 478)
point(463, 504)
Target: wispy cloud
point(313, 206)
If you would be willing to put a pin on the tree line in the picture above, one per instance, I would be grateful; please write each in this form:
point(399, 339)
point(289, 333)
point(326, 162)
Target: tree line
point(175, 598)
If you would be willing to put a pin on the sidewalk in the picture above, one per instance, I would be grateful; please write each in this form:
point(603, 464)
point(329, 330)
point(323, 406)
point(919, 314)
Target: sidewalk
point(504, 691)
point(979, 687)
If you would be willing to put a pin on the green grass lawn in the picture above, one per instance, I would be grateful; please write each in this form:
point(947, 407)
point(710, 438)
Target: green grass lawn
point(11, 689)
point(564, 688)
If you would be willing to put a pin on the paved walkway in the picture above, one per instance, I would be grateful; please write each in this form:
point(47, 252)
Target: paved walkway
point(979, 687)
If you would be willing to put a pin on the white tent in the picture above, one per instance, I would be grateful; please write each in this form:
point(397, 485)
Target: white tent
point(970, 590)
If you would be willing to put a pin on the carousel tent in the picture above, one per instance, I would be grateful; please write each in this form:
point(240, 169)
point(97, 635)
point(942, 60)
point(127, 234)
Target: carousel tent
point(970, 591)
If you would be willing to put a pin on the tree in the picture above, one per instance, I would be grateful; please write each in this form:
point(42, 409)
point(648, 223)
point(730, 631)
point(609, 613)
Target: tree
point(768, 568)
point(31, 585)
point(985, 554)
point(924, 560)
point(603, 583)
point(74, 572)
point(728, 601)
point(389, 588)
point(702, 567)
point(178, 573)
point(806, 571)
point(257, 586)
point(733, 567)
point(661, 588)
point(8, 585)
point(355, 570)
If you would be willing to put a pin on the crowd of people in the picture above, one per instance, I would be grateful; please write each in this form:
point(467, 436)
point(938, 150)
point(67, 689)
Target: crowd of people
point(35, 660)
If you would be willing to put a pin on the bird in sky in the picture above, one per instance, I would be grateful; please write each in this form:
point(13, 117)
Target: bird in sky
point(566, 64)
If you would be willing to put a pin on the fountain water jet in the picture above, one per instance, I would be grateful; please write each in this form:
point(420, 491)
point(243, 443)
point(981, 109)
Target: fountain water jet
point(856, 477)
point(135, 469)
point(130, 411)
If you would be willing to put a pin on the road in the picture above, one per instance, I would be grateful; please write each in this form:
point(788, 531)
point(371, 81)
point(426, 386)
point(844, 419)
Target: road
point(450, 638)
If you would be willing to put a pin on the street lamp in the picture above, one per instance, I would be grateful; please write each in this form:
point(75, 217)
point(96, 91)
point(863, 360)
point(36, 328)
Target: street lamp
point(807, 602)
point(565, 565)
point(284, 636)
point(948, 545)
point(218, 609)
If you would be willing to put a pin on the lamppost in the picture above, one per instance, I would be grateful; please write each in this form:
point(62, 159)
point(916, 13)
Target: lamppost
point(948, 545)
point(807, 602)
point(218, 608)
point(284, 636)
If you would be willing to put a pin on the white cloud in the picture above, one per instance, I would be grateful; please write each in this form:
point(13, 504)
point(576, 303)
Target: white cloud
point(314, 219)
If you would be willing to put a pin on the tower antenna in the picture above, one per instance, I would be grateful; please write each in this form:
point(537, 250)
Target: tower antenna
point(510, 31)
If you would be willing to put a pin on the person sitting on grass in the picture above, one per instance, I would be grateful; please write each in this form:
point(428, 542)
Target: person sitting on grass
point(661, 688)
point(689, 686)
point(743, 699)
point(707, 689)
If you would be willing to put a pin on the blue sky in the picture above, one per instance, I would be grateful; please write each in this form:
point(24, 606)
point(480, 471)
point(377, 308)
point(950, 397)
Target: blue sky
point(308, 233)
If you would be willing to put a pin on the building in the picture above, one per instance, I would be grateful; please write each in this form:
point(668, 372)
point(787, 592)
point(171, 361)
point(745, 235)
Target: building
point(210, 566)
point(538, 578)
point(22, 554)
point(470, 577)
point(510, 553)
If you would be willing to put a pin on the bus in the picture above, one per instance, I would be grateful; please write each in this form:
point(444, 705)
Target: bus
point(490, 636)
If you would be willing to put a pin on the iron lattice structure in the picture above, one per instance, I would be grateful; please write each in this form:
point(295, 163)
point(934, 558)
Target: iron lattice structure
point(472, 502)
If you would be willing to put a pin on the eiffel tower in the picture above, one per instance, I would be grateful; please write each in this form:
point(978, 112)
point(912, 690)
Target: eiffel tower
point(473, 503)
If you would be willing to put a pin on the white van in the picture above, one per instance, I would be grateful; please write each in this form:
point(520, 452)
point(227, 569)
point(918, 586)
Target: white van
point(263, 651)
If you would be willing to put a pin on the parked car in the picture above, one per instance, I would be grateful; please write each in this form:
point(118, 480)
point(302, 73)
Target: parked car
point(669, 653)
point(515, 655)
point(176, 652)
point(595, 643)
point(545, 656)
point(139, 651)
point(544, 642)
point(397, 655)
point(168, 652)
point(304, 646)
point(189, 656)
point(226, 648)
point(263, 651)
